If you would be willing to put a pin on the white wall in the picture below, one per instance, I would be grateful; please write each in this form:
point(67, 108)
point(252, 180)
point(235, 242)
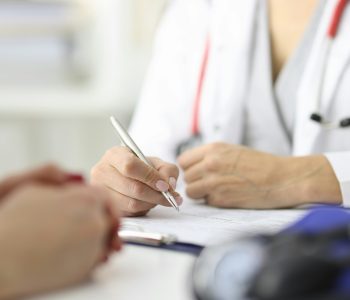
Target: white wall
point(74, 130)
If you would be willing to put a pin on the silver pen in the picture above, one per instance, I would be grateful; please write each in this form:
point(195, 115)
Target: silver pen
point(127, 141)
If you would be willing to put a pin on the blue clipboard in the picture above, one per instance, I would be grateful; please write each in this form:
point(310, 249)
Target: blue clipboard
point(159, 241)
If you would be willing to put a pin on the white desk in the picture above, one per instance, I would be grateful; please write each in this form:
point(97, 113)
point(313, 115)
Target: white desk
point(136, 273)
point(154, 274)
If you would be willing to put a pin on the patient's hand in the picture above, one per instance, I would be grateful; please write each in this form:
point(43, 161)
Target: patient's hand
point(53, 236)
point(238, 177)
point(47, 174)
point(135, 186)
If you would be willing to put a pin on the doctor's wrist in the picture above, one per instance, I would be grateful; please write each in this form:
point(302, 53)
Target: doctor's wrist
point(317, 182)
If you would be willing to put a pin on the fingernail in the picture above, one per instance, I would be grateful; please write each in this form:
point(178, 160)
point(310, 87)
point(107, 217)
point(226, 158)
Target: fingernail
point(172, 182)
point(162, 186)
point(78, 178)
point(179, 200)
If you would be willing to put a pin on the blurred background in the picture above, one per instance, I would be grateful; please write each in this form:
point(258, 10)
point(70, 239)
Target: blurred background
point(65, 67)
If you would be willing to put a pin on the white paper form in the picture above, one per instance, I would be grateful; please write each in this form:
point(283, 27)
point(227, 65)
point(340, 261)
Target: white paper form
point(203, 225)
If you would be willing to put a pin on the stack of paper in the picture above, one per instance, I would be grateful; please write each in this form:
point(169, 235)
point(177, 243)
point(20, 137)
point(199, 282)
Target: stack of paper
point(204, 225)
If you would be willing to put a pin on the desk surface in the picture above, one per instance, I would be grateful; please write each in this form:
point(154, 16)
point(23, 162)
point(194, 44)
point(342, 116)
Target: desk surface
point(136, 273)
point(147, 273)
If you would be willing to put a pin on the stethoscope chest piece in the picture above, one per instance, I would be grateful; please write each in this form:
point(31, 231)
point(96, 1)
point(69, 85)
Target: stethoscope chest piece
point(317, 116)
point(193, 142)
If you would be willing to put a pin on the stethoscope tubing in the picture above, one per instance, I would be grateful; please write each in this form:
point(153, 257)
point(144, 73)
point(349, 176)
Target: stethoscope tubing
point(316, 116)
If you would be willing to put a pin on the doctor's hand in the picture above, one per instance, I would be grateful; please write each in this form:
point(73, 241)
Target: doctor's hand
point(232, 176)
point(134, 186)
point(53, 237)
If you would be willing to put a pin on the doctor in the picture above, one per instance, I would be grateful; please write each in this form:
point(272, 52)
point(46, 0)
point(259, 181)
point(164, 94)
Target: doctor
point(252, 98)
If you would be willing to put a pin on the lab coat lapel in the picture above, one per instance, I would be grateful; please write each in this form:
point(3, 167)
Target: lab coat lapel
point(338, 60)
point(228, 69)
point(307, 131)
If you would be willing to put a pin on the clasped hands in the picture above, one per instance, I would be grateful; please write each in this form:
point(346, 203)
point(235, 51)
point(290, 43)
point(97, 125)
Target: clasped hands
point(227, 176)
point(54, 230)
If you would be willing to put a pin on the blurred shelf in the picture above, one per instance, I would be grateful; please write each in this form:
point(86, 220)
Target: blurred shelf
point(98, 84)
point(78, 104)
point(25, 17)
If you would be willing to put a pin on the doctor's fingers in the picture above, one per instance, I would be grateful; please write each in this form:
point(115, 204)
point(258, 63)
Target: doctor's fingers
point(132, 167)
point(196, 155)
point(169, 172)
point(199, 189)
point(190, 158)
point(210, 165)
point(198, 171)
point(132, 207)
point(109, 177)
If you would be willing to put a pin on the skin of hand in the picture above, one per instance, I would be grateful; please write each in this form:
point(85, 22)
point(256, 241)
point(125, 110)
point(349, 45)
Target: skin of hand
point(47, 174)
point(53, 236)
point(231, 176)
point(135, 186)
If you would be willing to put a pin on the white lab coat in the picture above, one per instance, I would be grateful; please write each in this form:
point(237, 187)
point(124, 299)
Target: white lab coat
point(164, 114)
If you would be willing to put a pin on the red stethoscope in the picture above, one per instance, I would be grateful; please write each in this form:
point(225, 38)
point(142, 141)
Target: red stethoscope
point(316, 116)
point(331, 35)
point(195, 139)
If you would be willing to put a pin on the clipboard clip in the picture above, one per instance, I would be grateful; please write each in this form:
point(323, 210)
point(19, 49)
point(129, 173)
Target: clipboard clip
point(147, 238)
point(134, 234)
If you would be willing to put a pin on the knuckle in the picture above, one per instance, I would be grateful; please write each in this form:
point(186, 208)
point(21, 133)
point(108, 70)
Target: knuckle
point(215, 146)
point(97, 174)
point(211, 163)
point(150, 176)
point(137, 189)
point(212, 147)
point(94, 172)
point(50, 168)
point(129, 165)
point(111, 152)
